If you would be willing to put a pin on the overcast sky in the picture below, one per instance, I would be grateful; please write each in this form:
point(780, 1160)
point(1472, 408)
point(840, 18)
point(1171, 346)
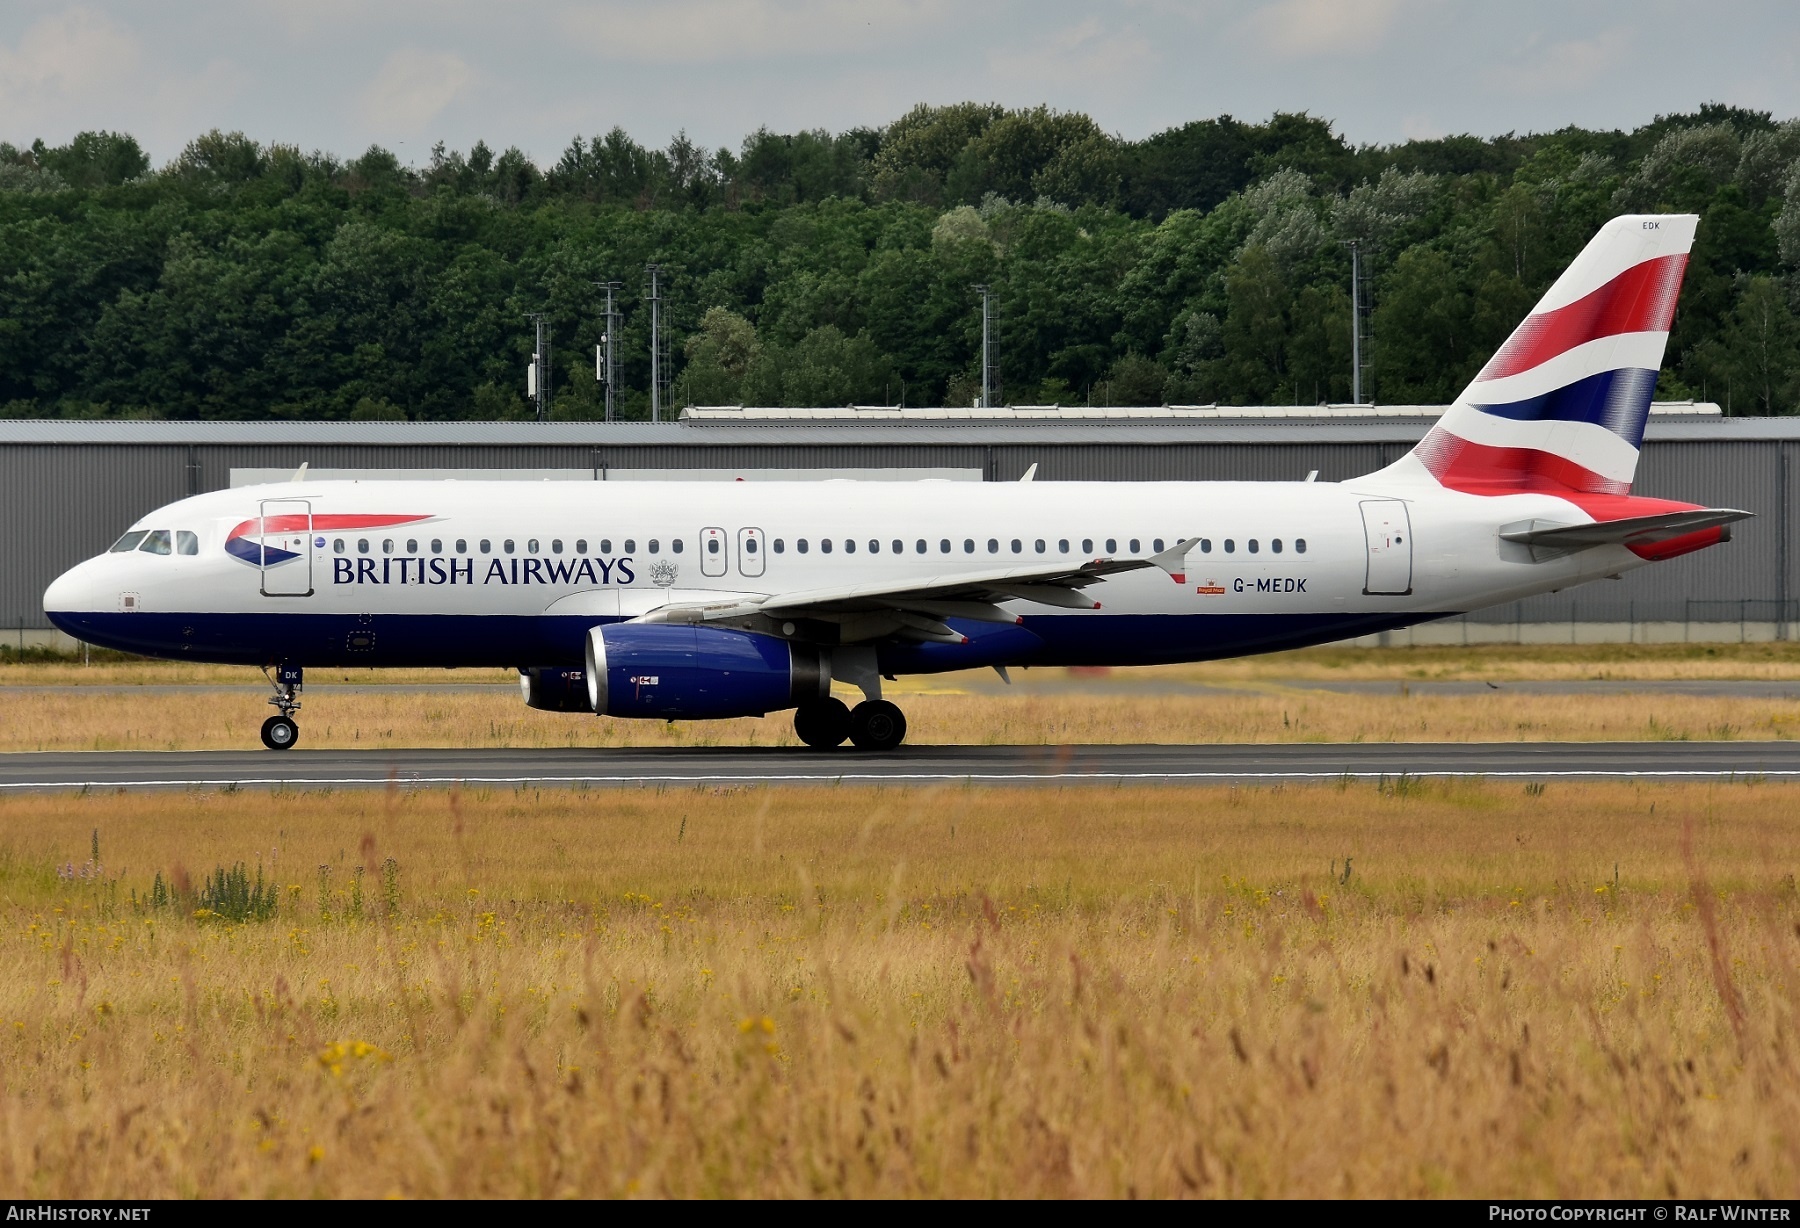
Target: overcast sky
point(339, 75)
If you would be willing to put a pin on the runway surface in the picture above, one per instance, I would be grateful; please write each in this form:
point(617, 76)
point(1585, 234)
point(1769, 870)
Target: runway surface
point(981, 765)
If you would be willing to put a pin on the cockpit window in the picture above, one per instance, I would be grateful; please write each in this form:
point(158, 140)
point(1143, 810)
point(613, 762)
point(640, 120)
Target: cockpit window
point(186, 542)
point(156, 542)
point(129, 541)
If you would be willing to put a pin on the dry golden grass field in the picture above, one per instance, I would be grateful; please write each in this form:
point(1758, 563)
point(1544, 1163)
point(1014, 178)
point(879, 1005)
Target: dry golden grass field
point(60, 706)
point(1442, 989)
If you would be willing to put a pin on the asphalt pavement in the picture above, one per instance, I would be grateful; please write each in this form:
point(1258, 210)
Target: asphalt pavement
point(980, 765)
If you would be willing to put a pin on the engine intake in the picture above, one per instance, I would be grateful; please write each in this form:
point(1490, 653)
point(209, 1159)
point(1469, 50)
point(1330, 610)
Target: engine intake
point(670, 670)
point(555, 690)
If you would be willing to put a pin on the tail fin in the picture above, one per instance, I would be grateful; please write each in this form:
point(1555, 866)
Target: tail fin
point(1561, 406)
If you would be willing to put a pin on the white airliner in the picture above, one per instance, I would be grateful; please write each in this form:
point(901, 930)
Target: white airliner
point(694, 601)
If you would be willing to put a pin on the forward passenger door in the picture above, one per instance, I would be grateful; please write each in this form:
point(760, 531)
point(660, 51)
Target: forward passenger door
point(285, 535)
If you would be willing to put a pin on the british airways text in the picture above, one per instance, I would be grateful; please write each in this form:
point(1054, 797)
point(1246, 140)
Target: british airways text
point(496, 571)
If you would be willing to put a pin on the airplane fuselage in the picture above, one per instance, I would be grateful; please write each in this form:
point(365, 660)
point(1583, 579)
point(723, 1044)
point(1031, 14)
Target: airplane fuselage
point(387, 573)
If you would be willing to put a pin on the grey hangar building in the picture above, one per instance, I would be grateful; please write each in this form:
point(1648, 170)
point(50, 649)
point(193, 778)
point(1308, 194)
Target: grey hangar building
point(69, 488)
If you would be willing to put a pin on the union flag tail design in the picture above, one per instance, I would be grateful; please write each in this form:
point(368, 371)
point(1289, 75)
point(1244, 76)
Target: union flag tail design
point(1561, 406)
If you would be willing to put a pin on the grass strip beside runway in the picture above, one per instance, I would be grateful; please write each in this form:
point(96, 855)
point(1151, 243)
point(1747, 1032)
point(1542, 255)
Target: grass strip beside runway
point(1469, 989)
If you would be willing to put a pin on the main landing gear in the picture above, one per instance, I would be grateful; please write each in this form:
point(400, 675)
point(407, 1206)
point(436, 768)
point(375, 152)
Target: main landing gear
point(281, 732)
point(874, 724)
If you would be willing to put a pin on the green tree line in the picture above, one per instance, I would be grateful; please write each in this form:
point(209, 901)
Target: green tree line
point(1208, 263)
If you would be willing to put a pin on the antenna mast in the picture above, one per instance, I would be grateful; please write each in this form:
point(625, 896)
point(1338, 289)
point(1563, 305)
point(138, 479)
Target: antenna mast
point(987, 360)
point(606, 370)
point(655, 271)
point(537, 376)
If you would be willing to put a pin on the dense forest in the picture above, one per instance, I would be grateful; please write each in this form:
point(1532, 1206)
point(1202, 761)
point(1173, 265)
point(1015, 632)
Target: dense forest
point(1208, 263)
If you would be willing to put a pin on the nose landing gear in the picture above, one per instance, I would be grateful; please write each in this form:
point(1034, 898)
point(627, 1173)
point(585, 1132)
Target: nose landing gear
point(281, 732)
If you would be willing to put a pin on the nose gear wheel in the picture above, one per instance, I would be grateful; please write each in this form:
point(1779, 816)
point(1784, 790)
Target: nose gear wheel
point(280, 733)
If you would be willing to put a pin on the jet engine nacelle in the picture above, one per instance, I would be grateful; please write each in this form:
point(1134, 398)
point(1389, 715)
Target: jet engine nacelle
point(679, 671)
point(555, 690)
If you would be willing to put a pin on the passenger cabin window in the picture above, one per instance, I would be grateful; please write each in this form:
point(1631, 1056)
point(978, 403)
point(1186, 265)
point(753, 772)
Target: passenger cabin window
point(581, 545)
point(606, 545)
point(993, 545)
point(1087, 545)
point(1040, 545)
point(412, 545)
point(437, 545)
point(675, 545)
point(186, 542)
point(968, 545)
point(900, 546)
point(337, 545)
point(157, 542)
point(919, 546)
point(487, 546)
point(531, 546)
point(1157, 545)
point(780, 546)
point(1017, 546)
point(824, 545)
point(507, 545)
point(130, 541)
point(1253, 546)
point(1134, 546)
point(944, 546)
point(631, 545)
point(387, 545)
point(1275, 545)
point(655, 546)
point(749, 545)
point(1206, 545)
point(712, 545)
point(1230, 546)
point(556, 545)
point(801, 545)
point(1112, 545)
point(849, 545)
point(462, 545)
point(1299, 545)
point(362, 545)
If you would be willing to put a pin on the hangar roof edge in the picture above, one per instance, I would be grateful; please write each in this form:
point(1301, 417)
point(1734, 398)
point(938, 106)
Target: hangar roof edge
point(16, 432)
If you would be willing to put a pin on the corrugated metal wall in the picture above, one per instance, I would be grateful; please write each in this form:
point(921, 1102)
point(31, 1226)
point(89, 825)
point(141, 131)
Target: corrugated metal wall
point(63, 503)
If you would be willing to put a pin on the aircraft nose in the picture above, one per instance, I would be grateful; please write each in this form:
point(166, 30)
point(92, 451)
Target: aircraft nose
point(75, 591)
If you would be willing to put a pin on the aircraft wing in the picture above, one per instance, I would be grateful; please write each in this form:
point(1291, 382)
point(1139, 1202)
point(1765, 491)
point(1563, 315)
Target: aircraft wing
point(915, 608)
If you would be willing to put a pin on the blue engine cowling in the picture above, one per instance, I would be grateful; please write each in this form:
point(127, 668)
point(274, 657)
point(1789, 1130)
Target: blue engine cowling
point(555, 690)
point(676, 671)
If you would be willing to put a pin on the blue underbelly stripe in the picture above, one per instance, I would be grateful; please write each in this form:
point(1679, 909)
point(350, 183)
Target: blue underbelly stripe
point(472, 641)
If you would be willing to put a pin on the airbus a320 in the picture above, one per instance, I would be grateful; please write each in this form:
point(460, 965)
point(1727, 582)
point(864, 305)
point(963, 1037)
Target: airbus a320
point(685, 601)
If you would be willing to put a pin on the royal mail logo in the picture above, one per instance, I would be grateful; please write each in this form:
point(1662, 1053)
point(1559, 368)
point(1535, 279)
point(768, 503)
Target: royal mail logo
point(1212, 588)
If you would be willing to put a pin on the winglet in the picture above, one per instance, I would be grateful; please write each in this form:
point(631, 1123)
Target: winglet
point(1030, 473)
point(1174, 559)
point(300, 473)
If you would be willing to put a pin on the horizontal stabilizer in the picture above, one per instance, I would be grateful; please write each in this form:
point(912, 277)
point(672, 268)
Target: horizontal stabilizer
point(1548, 539)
